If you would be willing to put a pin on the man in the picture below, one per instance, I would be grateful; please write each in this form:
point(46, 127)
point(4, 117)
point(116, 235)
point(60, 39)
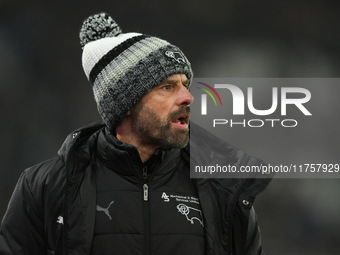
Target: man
point(123, 186)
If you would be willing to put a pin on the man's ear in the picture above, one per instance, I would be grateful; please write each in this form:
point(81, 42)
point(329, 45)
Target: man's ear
point(128, 113)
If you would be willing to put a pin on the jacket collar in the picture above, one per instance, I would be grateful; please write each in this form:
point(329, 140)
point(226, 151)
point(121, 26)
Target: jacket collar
point(124, 158)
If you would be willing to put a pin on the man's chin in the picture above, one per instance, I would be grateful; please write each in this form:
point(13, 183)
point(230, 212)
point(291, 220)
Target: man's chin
point(177, 141)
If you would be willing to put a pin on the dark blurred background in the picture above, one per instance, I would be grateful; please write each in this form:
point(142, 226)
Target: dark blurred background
point(44, 94)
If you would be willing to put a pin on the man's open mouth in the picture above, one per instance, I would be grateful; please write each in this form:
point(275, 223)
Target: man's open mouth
point(182, 120)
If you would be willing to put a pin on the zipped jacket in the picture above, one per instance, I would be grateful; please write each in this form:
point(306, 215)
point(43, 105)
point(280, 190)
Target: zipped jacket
point(53, 206)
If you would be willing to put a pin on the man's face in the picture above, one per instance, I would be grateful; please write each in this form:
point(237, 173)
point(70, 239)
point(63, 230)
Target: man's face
point(161, 118)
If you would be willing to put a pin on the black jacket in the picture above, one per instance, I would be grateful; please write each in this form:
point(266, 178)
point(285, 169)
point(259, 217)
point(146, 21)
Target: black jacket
point(53, 206)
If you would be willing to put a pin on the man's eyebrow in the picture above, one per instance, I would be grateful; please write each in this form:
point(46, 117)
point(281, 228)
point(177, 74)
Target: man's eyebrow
point(171, 81)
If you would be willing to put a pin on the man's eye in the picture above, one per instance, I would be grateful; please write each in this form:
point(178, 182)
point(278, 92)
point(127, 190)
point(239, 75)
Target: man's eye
point(166, 87)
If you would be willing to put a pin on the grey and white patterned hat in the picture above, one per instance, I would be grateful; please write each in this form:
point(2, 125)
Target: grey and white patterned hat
point(123, 67)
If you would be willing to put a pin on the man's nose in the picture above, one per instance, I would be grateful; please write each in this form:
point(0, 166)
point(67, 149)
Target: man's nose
point(185, 97)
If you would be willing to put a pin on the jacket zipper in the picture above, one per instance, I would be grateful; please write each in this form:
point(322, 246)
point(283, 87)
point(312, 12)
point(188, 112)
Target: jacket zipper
point(146, 211)
point(146, 192)
point(145, 173)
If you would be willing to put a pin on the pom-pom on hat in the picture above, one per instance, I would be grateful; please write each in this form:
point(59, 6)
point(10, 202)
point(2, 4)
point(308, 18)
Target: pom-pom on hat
point(123, 67)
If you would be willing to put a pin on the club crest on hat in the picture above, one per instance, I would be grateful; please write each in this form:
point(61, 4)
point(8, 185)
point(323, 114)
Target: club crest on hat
point(178, 56)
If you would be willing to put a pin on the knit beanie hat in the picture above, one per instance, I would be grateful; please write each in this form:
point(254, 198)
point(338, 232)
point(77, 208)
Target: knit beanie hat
point(123, 67)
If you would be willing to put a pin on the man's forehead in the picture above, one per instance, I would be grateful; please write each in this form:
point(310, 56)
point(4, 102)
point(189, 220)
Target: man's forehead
point(176, 78)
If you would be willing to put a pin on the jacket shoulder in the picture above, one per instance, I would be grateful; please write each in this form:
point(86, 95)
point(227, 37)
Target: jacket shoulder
point(51, 174)
point(45, 180)
point(79, 137)
point(49, 169)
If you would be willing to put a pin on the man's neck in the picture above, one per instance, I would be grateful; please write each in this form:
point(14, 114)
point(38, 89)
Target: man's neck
point(145, 151)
